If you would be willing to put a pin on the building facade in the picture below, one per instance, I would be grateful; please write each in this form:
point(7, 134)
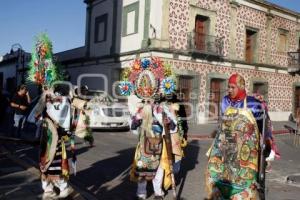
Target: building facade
point(13, 67)
point(204, 40)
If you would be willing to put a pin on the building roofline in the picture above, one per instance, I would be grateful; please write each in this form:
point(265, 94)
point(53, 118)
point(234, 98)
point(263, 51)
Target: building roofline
point(71, 54)
point(10, 58)
point(276, 7)
point(116, 57)
point(69, 50)
point(88, 1)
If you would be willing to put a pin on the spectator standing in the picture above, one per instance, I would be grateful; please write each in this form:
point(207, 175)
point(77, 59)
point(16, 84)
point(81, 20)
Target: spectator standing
point(20, 103)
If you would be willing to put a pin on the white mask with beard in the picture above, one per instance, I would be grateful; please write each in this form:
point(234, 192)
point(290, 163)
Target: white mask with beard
point(59, 110)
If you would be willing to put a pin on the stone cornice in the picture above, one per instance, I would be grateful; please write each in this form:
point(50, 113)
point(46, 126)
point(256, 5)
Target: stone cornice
point(234, 4)
point(269, 15)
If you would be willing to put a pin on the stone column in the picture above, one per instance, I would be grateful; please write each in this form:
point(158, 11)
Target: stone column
point(145, 41)
point(89, 8)
point(233, 29)
point(269, 39)
point(298, 34)
point(163, 40)
point(165, 25)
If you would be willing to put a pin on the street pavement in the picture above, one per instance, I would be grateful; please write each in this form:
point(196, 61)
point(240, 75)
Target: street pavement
point(17, 182)
point(19, 176)
point(102, 171)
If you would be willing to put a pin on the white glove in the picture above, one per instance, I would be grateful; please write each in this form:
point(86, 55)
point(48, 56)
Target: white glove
point(271, 156)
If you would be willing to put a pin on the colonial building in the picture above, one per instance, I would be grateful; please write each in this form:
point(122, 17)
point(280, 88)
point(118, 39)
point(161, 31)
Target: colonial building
point(13, 68)
point(204, 40)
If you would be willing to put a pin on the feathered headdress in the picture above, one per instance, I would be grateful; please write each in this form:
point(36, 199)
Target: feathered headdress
point(42, 69)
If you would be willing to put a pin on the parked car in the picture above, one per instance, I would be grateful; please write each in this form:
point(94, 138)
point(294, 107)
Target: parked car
point(106, 112)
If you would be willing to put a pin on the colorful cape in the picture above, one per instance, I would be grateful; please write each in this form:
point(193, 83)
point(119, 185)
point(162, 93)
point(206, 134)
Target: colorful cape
point(233, 160)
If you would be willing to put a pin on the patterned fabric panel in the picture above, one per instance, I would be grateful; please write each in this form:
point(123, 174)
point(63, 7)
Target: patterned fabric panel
point(233, 161)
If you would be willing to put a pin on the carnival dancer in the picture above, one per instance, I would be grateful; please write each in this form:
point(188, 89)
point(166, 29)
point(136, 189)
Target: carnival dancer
point(81, 119)
point(147, 158)
point(173, 152)
point(180, 138)
point(271, 151)
point(150, 79)
point(54, 107)
point(233, 164)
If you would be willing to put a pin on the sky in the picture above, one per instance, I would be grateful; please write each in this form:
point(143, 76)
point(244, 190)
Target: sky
point(22, 20)
point(62, 20)
point(290, 4)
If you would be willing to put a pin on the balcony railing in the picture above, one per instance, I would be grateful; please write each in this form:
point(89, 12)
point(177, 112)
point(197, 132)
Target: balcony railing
point(294, 62)
point(206, 44)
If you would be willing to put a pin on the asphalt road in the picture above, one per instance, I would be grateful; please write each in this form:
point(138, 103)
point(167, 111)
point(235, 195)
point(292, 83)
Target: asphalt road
point(17, 182)
point(102, 171)
point(108, 178)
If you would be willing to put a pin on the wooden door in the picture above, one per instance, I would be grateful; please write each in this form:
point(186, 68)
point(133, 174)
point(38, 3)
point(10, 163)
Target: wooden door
point(200, 31)
point(185, 86)
point(297, 102)
point(298, 53)
point(249, 51)
point(215, 97)
point(250, 45)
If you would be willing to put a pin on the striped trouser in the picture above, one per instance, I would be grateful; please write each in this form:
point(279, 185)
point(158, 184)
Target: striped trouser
point(54, 176)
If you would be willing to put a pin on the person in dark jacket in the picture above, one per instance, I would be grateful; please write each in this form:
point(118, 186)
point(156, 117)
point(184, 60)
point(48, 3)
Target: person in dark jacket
point(20, 103)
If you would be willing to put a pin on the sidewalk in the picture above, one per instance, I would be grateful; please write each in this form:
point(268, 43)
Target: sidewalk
point(17, 182)
point(19, 175)
point(205, 130)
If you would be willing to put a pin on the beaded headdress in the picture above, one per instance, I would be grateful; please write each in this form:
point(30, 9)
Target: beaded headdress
point(147, 77)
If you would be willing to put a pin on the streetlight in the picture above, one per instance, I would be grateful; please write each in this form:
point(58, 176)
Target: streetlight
point(21, 59)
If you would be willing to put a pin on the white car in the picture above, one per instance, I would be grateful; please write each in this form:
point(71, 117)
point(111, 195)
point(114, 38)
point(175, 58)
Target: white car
point(106, 112)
